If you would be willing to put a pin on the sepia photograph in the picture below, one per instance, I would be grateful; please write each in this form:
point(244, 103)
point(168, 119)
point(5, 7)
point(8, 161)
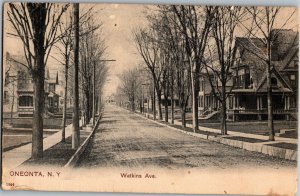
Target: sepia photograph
point(149, 98)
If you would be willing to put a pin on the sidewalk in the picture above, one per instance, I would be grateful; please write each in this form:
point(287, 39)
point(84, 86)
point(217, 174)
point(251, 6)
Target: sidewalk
point(285, 148)
point(15, 157)
point(235, 133)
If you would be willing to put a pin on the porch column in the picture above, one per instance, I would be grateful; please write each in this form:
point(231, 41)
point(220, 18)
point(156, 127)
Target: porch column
point(258, 101)
point(287, 106)
point(233, 102)
point(285, 103)
point(237, 102)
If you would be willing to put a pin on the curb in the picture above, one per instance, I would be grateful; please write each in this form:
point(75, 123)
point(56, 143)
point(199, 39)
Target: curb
point(254, 147)
point(73, 160)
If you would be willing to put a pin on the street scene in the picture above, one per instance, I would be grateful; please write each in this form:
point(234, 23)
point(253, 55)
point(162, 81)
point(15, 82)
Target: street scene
point(90, 87)
point(126, 139)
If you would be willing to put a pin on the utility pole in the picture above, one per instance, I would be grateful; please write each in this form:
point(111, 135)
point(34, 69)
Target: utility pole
point(76, 133)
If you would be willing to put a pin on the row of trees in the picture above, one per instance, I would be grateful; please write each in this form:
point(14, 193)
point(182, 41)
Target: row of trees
point(182, 42)
point(79, 46)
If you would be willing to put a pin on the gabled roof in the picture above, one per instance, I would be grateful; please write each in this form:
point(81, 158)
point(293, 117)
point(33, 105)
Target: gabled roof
point(286, 87)
point(284, 49)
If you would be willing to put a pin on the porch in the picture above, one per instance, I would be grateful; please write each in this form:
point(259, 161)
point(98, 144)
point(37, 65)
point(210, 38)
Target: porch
point(255, 107)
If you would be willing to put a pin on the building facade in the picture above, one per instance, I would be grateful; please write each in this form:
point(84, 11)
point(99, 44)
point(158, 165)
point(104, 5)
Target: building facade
point(18, 90)
point(247, 87)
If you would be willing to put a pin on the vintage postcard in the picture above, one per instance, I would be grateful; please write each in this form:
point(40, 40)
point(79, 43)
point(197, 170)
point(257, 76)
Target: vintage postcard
point(190, 99)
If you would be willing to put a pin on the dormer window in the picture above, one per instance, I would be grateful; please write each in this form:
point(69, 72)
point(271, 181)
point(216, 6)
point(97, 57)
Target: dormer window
point(274, 82)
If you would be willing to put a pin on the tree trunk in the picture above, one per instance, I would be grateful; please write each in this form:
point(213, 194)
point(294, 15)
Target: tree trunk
point(12, 103)
point(172, 100)
point(159, 104)
point(63, 133)
point(166, 108)
point(39, 101)
point(87, 106)
point(38, 13)
point(76, 133)
point(132, 104)
point(270, 108)
point(183, 121)
point(166, 103)
point(94, 96)
point(154, 104)
point(269, 88)
point(223, 110)
point(195, 93)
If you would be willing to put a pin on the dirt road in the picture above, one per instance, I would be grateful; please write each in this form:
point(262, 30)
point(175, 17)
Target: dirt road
point(125, 139)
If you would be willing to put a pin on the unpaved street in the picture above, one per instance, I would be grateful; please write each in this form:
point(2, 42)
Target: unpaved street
point(125, 139)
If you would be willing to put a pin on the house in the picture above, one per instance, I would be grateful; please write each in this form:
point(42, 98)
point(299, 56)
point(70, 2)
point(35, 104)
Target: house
point(247, 88)
point(18, 90)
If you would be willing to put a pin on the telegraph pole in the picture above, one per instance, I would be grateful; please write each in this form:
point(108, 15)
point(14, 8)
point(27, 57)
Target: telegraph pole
point(76, 133)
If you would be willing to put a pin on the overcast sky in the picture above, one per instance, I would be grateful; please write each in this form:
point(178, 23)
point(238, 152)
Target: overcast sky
point(118, 22)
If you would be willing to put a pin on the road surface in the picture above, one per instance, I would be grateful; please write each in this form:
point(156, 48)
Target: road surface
point(123, 139)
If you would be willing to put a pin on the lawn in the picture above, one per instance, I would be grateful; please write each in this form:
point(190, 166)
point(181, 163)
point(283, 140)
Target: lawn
point(49, 123)
point(256, 127)
point(59, 154)
point(15, 138)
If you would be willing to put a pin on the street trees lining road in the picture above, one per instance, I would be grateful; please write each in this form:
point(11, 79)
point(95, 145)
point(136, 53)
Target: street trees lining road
point(221, 54)
point(130, 85)
point(199, 40)
point(194, 23)
point(36, 24)
point(40, 27)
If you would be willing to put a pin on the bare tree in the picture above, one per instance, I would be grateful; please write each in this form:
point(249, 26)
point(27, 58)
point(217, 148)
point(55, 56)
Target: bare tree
point(75, 131)
point(36, 24)
point(263, 21)
point(65, 52)
point(175, 73)
point(130, 85)
point(91, 55)
point(194, 24)
point(221, 55)
point(148, 47)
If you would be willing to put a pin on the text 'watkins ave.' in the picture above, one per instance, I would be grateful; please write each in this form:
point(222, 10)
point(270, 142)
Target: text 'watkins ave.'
point(133, 175)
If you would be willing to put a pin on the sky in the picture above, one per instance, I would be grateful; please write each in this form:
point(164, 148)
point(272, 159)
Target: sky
point(118, 20)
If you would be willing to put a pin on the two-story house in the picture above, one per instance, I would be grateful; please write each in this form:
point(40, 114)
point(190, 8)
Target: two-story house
point(247, 88)
point(18, 89)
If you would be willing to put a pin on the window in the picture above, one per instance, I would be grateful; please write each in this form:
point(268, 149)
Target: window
point(292, 77)
point(274, 82)
point(26, 101)
point(50, 102)
point(247, 80)
point(51, 87)
point(241, 81)
point(6, 97)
